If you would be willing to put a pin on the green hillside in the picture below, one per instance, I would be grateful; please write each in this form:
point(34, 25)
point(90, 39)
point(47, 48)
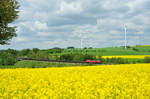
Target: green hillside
point(134, 50)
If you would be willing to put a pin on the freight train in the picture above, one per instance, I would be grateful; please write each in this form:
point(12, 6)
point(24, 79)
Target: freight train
point(87, 61)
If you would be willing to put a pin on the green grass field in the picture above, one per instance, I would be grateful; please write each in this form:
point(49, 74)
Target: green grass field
point(109, 51)
point(38, 64)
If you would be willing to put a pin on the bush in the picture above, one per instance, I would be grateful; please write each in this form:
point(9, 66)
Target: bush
point(135, 49)
point(71, 47)
point(77, 57)
point(67, 57)
point(7, 59)
point(38, 55)
point(114, 61)
point(129, 47)
point(55, 50)
point(147, 60)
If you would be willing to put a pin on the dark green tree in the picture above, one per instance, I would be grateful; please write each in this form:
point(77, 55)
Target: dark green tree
point(24, 52)
point(35, 50)
point(9, 10)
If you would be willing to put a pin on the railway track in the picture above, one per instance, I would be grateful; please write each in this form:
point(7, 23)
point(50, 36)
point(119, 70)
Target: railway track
point(59, 61)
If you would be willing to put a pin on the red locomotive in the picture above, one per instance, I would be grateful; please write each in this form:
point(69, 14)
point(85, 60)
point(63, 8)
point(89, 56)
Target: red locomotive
point(93, 61)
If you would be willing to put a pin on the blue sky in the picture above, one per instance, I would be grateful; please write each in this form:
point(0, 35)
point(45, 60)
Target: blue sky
point(100, 23)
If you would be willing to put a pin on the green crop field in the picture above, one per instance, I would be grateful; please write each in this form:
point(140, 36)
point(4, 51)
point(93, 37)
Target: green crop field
point(110, 51)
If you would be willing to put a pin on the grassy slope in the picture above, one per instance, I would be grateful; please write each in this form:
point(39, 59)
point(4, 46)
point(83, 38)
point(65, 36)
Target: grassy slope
point(142, 50)
point(38, 64)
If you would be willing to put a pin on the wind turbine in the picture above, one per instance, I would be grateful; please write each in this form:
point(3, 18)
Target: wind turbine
point(82, 37)
point(125, 29)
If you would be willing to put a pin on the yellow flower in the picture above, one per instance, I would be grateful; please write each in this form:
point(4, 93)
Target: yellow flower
point(128, 56)
point(96, 82)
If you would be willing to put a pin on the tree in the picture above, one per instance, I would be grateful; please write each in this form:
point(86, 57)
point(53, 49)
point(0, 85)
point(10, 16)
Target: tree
point(35, 50)
point(55, 50)
point(24, 52)
point(71, 47)
point(8, 14)
point(12, 51)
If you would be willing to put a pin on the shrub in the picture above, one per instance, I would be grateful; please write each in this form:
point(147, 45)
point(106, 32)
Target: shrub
point(147, 60)
point(135, 49)
point(7, 59)
point(77, 57)
point(67, 57)
point(114, 61)
point(71, 47)
point(129, 47)
point(38, 55)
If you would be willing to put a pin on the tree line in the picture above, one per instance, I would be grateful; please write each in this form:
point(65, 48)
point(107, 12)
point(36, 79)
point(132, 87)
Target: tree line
point(9, 56)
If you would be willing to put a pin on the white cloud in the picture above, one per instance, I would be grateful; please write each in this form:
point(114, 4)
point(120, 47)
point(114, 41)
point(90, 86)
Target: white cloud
point(115, 32)
point(136, 5)
point(40, 26)
point(70, 8)
point(43, 34)
point(20, 39)
point(33, 26)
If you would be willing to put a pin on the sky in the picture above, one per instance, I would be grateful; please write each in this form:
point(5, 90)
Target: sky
point(46, 24)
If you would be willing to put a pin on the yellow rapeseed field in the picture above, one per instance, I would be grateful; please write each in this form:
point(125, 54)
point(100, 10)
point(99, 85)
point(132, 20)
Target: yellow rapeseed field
point(128, 56)
point(95, 82)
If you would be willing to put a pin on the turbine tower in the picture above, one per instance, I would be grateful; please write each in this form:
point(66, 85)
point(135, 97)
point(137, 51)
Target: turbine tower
point(125, 29)
point(82, 37)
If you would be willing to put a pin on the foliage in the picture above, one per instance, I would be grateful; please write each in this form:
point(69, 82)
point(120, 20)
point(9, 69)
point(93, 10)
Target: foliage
point(67, 57)
point(135, 49)
point(12, 51)
point(77, 57)
point(7, 59)
point(147, 60)
point(35, 50)
point(115, 61)
point(55, 50)
point(71, 47)
point(24, 52)
point(38, 55)
point(8, 14)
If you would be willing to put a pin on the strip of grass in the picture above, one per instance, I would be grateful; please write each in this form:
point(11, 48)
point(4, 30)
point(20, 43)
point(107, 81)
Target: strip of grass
point(6, 66)
point(39, 64)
